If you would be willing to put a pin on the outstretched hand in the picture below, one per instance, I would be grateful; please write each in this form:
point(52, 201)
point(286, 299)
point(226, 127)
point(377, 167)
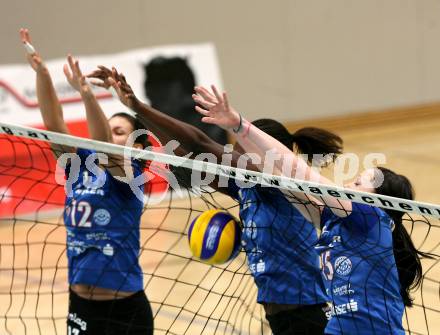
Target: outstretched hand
point(74, 75)
point(32, 56)
point(216, 109)
point(111, 79)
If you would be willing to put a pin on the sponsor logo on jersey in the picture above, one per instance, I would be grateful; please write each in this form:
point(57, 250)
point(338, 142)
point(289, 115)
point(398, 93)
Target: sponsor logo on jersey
point(102, 217)
point(258, 267)
point(343, 290)
point(349, 307)
point(343, 266)
point(108, 250)
point(76, 246)
point(87, 191)
point(101, 236)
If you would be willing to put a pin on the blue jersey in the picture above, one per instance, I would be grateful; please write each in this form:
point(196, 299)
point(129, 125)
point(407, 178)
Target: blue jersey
point(279, 243)
point(360, 272)
point(102, 217)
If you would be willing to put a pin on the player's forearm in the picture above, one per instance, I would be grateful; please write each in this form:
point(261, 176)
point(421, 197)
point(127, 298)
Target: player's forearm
point(270, 151)
point(97, 122)
point(50, 107)
point(167, 128)
point(289, 164)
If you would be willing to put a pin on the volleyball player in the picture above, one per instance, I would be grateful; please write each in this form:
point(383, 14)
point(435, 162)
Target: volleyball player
point(369, 262)
point(102, 216)
point(277, 239)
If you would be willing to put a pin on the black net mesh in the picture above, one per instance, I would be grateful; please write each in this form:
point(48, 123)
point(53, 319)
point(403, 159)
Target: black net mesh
point(187, 296)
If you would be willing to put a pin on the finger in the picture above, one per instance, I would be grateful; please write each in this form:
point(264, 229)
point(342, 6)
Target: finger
point(26, 41)
point(127, 88)
point(27, 35)
point(205, 94)
point(105, 71)
point(210, 120)
point(113, 88)
point(112, 82)
point(217, 94)
point(205, 91)
point(67, 72)
point(71, 63)
point(122, 78)
point(113, 92)
point(103, 68)
point(115, 73)
point(124, 86)
point(96, 74)
point(226, 101)
point(22, 35)
point(97, 83)
point(203, 111)
point(203, 102)
point(78, 69)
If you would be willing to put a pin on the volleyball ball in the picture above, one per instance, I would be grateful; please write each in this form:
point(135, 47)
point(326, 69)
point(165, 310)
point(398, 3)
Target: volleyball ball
point(214, 237)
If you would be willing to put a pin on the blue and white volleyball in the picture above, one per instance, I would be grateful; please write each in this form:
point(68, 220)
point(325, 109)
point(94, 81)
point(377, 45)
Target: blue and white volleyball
point(214, 237)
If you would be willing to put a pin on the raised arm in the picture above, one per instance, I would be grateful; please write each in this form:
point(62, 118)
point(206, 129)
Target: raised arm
point(216, 110)
point(97, 122)
point(192, 140)
point(50, 107)
point(98, 125)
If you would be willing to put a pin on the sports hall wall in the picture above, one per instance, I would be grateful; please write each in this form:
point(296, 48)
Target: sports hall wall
point(290, 59)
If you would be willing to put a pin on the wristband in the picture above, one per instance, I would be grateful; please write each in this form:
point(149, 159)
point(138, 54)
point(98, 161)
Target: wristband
point(240, 126)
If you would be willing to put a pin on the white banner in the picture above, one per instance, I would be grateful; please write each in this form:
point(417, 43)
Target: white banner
point(18, 103)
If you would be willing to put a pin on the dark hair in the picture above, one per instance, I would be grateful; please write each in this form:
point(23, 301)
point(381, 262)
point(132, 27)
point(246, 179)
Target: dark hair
point(308, 140)
point(164, 70)
point(406, 255)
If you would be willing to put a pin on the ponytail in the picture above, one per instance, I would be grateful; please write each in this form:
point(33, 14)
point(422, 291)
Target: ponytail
point(311, 140)
point(409, 266)
point(308, 141)
point(408, 262)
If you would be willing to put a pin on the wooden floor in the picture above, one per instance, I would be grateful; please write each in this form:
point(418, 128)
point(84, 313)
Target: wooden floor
point(192, 298)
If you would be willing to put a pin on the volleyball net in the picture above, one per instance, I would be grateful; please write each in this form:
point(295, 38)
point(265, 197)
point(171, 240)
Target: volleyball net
point(187, 296)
